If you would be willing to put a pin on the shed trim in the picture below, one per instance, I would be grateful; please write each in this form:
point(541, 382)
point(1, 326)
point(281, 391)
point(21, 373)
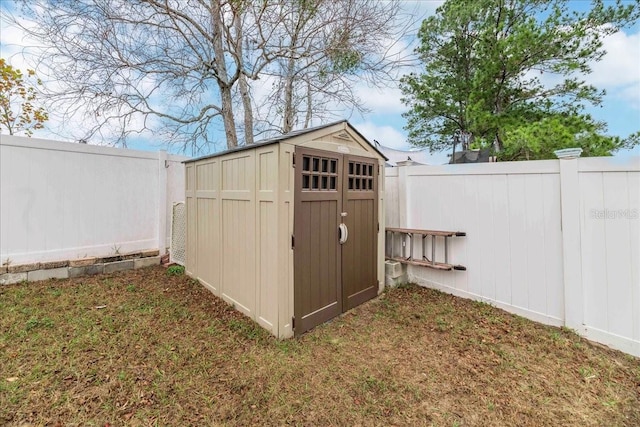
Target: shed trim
point(285, 137)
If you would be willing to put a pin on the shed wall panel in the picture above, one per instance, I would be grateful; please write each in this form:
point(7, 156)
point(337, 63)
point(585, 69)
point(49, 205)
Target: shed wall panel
point(206, 177)
point(208, 240)
point(238, 256)
point(192, 220)
point(267, 235)
point(238, 235)
point(267, 291)
point(192, 233)
point(191, 180)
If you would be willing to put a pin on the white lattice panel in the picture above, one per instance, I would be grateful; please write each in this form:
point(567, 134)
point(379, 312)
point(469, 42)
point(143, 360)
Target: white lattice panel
point(178, 252)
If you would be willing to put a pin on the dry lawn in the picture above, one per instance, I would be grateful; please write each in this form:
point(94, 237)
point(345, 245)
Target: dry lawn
point(144, 348)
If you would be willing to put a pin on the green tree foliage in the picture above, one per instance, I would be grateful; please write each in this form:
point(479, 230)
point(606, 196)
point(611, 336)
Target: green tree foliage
point(18, 112)
point(507, 72)
point(537, 140)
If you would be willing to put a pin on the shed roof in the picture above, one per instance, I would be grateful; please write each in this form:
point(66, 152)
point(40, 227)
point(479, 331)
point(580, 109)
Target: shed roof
point(286, 136)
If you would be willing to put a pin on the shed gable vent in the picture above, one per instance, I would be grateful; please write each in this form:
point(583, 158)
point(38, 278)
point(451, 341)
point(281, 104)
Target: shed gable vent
point(344, 136)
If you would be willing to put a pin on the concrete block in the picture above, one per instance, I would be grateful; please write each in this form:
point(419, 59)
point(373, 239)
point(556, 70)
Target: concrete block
point(146, 262)
point(52, 273)
point(91, 270)
point(112, 267)
point(23, 268)
point(393, 282)
point(76, 272)
point(10, 278)
point(82, 262)
point(395, 273)
point(150, 253)
point(394, 269)
point(86, 270)
point(53, 264)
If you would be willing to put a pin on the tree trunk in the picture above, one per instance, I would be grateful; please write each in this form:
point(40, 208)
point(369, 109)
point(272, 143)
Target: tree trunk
point(243, 86)
point(223, 79)
point(248, 109)
point(309, 116)
point(497, 143)
point(288, 116)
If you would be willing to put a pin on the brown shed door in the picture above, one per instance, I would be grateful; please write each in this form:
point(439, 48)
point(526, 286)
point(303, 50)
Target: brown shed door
point(360, 252)
point(330, 277)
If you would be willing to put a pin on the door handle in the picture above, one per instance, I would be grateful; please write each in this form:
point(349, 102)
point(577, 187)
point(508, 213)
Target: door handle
point(343, 233)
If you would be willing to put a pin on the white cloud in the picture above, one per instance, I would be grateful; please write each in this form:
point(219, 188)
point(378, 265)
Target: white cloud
point(381, 100)
point(385, 135)
point(620, 65)
point(619, 70)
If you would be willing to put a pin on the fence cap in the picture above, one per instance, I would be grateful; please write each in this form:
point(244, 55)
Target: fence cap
point(568, 153)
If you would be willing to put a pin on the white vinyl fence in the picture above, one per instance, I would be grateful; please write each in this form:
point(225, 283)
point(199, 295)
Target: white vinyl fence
point(555, 241)
point(62, 200)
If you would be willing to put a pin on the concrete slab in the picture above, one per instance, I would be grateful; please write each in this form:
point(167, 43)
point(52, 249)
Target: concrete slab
point(52, 273)
point(10, 278)
point(92, 270)
point(87, 270)
point(146, 262)
point(112, 267)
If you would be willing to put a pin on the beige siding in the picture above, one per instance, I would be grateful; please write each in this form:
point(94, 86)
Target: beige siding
point(192, 221)
point(267, 235)
point(238, 231)
point(232, 204)
point(208, 229)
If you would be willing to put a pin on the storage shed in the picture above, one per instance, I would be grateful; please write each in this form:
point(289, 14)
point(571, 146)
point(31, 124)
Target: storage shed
point(289, 230)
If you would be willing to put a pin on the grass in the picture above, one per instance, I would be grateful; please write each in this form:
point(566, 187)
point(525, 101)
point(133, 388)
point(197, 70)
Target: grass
point(148, 348)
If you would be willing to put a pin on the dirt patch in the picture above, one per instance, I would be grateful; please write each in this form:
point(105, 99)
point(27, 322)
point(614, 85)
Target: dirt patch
point(145, 348)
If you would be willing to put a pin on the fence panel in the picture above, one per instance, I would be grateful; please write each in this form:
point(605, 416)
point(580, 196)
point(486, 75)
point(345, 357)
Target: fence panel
point(610, 235)
point(515, 253)
point(61, 200)
point(513, 249)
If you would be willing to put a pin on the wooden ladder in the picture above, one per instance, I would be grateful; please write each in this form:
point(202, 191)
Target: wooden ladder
point(407, 235)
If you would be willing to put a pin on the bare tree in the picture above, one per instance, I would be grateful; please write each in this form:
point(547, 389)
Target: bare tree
point(167, 66)
point(182, 68)
point(328, 49)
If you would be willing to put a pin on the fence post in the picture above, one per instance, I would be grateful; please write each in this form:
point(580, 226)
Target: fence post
point(162, 202)
point(571, 245)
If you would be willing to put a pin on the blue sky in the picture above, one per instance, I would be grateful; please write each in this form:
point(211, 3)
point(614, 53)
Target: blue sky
point(618, 73)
